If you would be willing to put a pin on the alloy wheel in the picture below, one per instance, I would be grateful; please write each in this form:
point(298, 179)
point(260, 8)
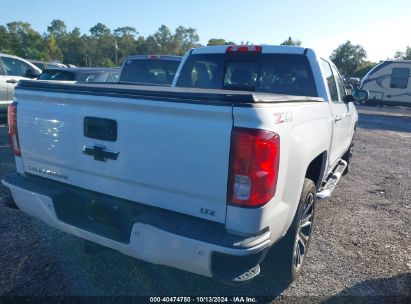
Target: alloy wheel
point(303, 232)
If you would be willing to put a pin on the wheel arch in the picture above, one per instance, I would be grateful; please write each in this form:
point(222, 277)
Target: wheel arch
point(316, 169)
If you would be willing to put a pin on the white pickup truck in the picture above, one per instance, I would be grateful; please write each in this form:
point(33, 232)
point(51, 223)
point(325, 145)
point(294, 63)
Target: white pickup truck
point(217, 175)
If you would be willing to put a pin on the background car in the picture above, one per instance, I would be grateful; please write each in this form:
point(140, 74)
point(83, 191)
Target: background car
point(13, 69)
point(150, 69)
point(43, 65)
point(81, 74)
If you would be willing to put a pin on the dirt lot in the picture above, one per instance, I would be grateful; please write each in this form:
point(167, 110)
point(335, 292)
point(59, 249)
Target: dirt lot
point(360, 250)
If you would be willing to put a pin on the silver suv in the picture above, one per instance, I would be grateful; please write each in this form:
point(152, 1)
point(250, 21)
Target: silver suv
point(13, 69)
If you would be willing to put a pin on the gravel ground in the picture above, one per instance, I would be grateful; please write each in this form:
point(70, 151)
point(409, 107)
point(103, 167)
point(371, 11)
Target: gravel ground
point(360, 250)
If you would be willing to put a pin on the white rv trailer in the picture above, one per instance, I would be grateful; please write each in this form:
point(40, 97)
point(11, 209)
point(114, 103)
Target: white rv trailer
point(389, 82)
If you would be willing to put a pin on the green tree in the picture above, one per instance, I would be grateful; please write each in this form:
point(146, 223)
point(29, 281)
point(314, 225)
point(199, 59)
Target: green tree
point(364, 68)
point(184, 39)
point(125, 31)
point(291, 42)
point(142, 46)
point(57, 28)
point(24, 41)
point(163, 40)
point(51, 50)
point(73, 48)
point(100, 46)
point(150, 46)
point(349, 58)
point(403, 55)
point(399, 55)
point(218, 41)
point(125, 42)
point(99, 30)
point(5, 39)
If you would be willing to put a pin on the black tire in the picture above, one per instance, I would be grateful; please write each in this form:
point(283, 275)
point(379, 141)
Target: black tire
point(280, 262)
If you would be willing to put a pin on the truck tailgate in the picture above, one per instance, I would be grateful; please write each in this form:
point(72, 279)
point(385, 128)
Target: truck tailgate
point(171, 155)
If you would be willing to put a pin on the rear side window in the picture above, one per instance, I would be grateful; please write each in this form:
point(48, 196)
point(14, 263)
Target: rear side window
point(15, 67)
point(332, 86)
point(149, 71)
point(399, 78)
point(57, 75)
point(269, 73)
point(340, 83)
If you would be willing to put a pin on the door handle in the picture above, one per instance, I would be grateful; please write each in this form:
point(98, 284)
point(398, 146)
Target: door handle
point(337, 118)
point(11, 81)
point(348, 115)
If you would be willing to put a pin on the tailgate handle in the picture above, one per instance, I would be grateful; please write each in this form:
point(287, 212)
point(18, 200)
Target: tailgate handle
point(100, 153)
point(100, 128)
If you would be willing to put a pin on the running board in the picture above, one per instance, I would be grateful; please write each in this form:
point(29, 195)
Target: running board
point(248, 275)
point(331, 181)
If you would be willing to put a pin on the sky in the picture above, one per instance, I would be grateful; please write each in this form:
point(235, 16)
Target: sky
point(381, 27)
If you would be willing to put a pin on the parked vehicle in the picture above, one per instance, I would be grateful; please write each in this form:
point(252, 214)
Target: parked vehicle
point(149, 69)
point(13, 69)
point(222, 182)
point(354, 83)
point(43, 65)
point(73, 75)
point(389, 82)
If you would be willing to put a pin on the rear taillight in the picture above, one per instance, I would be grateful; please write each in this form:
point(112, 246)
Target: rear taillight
point(12, 121)
point(254, 162)
point(244, 48)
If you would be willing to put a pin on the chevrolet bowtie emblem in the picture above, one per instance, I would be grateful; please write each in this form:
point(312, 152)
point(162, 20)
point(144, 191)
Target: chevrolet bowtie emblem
point(100, 153)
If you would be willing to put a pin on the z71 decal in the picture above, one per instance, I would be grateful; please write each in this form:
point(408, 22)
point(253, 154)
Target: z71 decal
point(282, 117)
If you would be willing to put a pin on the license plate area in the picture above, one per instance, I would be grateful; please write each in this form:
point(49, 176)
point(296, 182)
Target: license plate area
point(106, 216)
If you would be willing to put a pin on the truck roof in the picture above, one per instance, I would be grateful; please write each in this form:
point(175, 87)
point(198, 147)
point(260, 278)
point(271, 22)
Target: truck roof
point(279, 49)
point(154, 56)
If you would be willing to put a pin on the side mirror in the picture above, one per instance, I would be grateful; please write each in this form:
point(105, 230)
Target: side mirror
point(360, 95)
point(32, 73)
point(356, 95)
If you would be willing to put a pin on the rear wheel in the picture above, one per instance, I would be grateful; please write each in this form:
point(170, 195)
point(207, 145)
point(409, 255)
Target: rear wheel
point(285, 260)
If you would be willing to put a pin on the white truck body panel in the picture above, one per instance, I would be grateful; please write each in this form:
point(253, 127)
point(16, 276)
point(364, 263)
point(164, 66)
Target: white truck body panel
point(171, 155)
point(296, 135)
point(147, 243)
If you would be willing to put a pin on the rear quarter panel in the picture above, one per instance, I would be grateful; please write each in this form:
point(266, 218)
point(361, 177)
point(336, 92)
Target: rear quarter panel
point(304, 137)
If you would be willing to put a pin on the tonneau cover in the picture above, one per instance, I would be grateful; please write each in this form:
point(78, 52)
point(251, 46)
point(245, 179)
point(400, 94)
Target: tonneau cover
point(175, 94)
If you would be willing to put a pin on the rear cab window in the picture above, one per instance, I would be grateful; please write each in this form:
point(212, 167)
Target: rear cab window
point(257, 72)
point(149, 71)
